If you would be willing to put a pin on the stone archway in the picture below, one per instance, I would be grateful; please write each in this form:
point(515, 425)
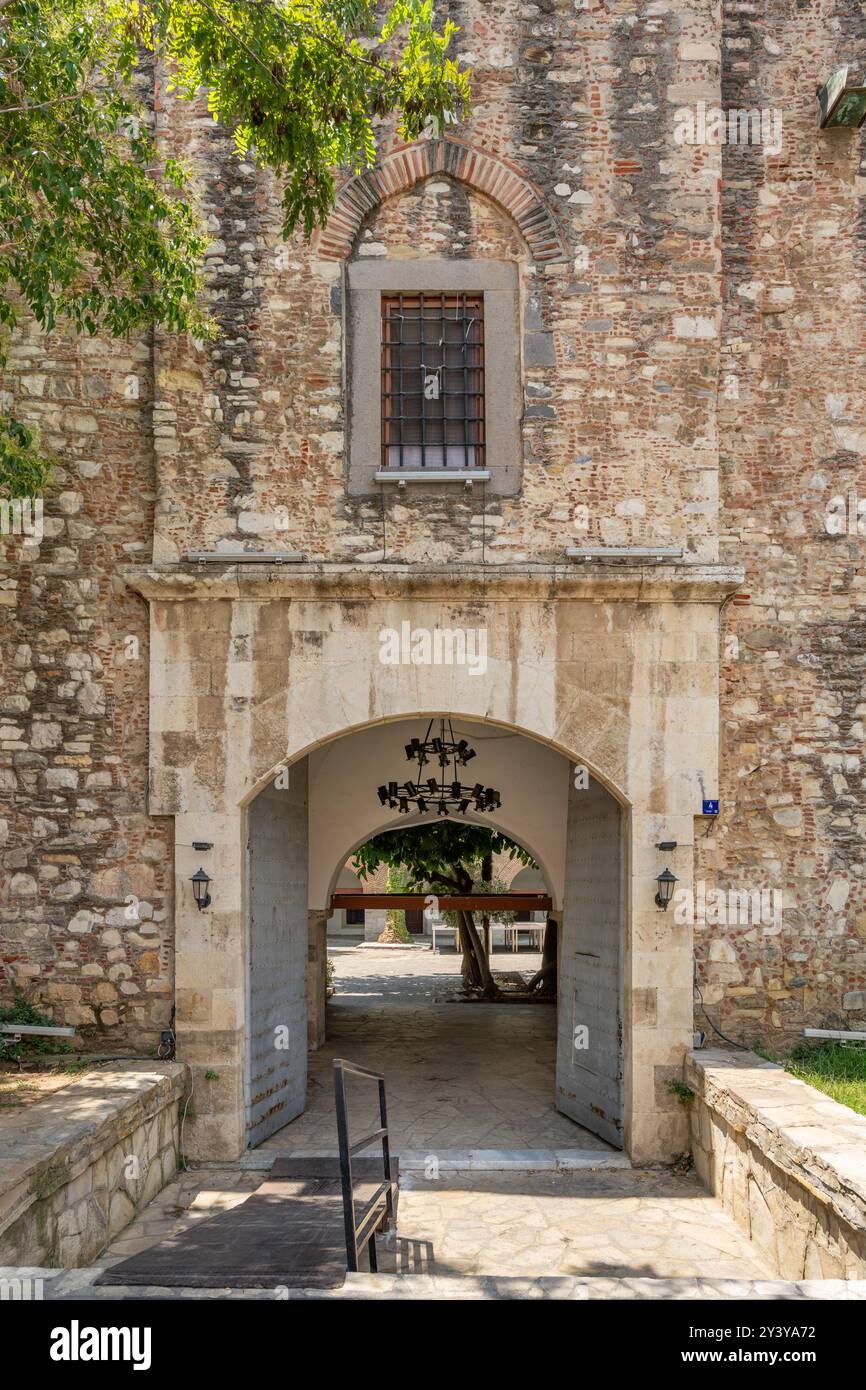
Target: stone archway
point(326, 799)
point(580, 829)
point(614, 667)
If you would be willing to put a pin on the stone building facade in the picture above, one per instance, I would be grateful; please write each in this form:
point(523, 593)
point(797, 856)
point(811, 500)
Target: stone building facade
point(686, 320)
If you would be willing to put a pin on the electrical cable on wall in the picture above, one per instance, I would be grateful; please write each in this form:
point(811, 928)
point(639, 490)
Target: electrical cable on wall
point(740, 1046)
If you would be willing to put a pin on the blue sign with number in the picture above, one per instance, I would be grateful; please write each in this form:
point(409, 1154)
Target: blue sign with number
point(711, 808)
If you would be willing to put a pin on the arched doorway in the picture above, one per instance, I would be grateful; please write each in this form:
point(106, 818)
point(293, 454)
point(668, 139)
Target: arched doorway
point(302, 826)
point(615, 669)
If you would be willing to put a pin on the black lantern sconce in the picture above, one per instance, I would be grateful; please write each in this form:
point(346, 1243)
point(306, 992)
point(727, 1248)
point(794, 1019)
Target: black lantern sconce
point(665, 881)
point(200, 883)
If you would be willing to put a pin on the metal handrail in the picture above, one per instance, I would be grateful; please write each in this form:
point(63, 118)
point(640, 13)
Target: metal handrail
point(380, 1209)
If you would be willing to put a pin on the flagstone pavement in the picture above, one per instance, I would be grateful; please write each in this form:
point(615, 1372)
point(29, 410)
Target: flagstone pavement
point(643, 1223)
point(459, 1076)
point(463, 1078)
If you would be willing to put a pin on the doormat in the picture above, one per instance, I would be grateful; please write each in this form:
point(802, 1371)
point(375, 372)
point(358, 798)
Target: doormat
point(288, 1233)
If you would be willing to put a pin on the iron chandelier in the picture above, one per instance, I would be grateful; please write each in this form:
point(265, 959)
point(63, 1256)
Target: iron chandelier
point(446, 792)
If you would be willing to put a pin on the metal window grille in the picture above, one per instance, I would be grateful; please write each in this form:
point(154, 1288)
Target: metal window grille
point(433, 381)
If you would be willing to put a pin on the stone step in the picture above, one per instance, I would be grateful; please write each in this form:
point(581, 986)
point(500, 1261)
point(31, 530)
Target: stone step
point(440, 1288)
point(460, 1160)
point(78, 1284)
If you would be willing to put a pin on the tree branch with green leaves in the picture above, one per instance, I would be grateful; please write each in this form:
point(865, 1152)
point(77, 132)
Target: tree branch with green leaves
point(101, 236)
point(446, 856)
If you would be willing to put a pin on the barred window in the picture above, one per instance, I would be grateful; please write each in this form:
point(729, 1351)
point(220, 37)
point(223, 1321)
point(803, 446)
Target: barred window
point(433, 381)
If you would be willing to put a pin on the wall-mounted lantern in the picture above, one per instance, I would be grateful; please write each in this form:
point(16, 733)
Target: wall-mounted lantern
point(843, 104)
point(200, 883)
point(665, 881)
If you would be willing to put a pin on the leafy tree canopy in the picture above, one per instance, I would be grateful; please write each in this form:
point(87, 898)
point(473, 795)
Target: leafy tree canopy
point(451, 855)
point(95, 232)
point(443, 853)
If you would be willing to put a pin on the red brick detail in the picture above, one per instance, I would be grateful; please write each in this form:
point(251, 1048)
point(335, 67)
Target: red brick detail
point(399, 171)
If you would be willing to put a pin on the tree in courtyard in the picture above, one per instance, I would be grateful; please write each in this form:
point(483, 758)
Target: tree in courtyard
point(446, 856)
point(95, 234)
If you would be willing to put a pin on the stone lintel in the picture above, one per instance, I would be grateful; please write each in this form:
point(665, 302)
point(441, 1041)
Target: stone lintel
point(679, 582)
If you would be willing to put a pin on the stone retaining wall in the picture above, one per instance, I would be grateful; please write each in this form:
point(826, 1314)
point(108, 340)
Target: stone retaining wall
point(788, 1163)
point(79, 1166)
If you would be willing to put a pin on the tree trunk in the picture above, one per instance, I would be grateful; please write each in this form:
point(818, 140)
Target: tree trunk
point(486, 876)
point(481, 967)
point(478, 973)
point(475, 967)
point(469, 965)
point(545, 979)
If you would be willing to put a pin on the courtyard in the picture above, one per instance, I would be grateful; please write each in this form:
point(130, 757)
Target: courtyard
point(459, 1076)
point(494, 1181)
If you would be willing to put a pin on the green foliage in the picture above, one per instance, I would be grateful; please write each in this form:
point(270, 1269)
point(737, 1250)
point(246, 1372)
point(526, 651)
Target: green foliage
point(22, 1012)
point(94, 233)
point(24, 470)
point(684, 1094)
point(397, 882)
point(480, 886)
point(395, 920)
point(432, 853)
point(301, 81)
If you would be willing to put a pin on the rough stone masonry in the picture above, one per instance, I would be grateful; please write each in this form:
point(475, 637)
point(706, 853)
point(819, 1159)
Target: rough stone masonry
point(692, 337)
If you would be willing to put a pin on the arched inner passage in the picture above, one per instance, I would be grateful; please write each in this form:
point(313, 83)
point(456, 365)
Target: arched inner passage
point(501, 1074)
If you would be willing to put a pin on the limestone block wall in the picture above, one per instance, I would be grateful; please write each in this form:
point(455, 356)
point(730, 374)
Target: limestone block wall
point(317, 955)
point(77, 1170)
point(619, 313)
point(788, 1163)
point(692, 321)
point(85, 874)
point(642, 713)
point(792, 435)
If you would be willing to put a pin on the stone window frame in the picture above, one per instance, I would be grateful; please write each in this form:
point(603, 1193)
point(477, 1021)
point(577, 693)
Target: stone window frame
point(499, 282)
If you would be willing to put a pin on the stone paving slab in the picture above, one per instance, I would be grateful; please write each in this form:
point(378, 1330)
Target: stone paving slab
point(509, 1223)
point(520, 1160)
point(473, 1076)
point(641, 1223)
point(448, 1160)
point(76, 1284)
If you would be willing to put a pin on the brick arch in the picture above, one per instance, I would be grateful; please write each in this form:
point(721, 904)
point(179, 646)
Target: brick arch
point(400, 171)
